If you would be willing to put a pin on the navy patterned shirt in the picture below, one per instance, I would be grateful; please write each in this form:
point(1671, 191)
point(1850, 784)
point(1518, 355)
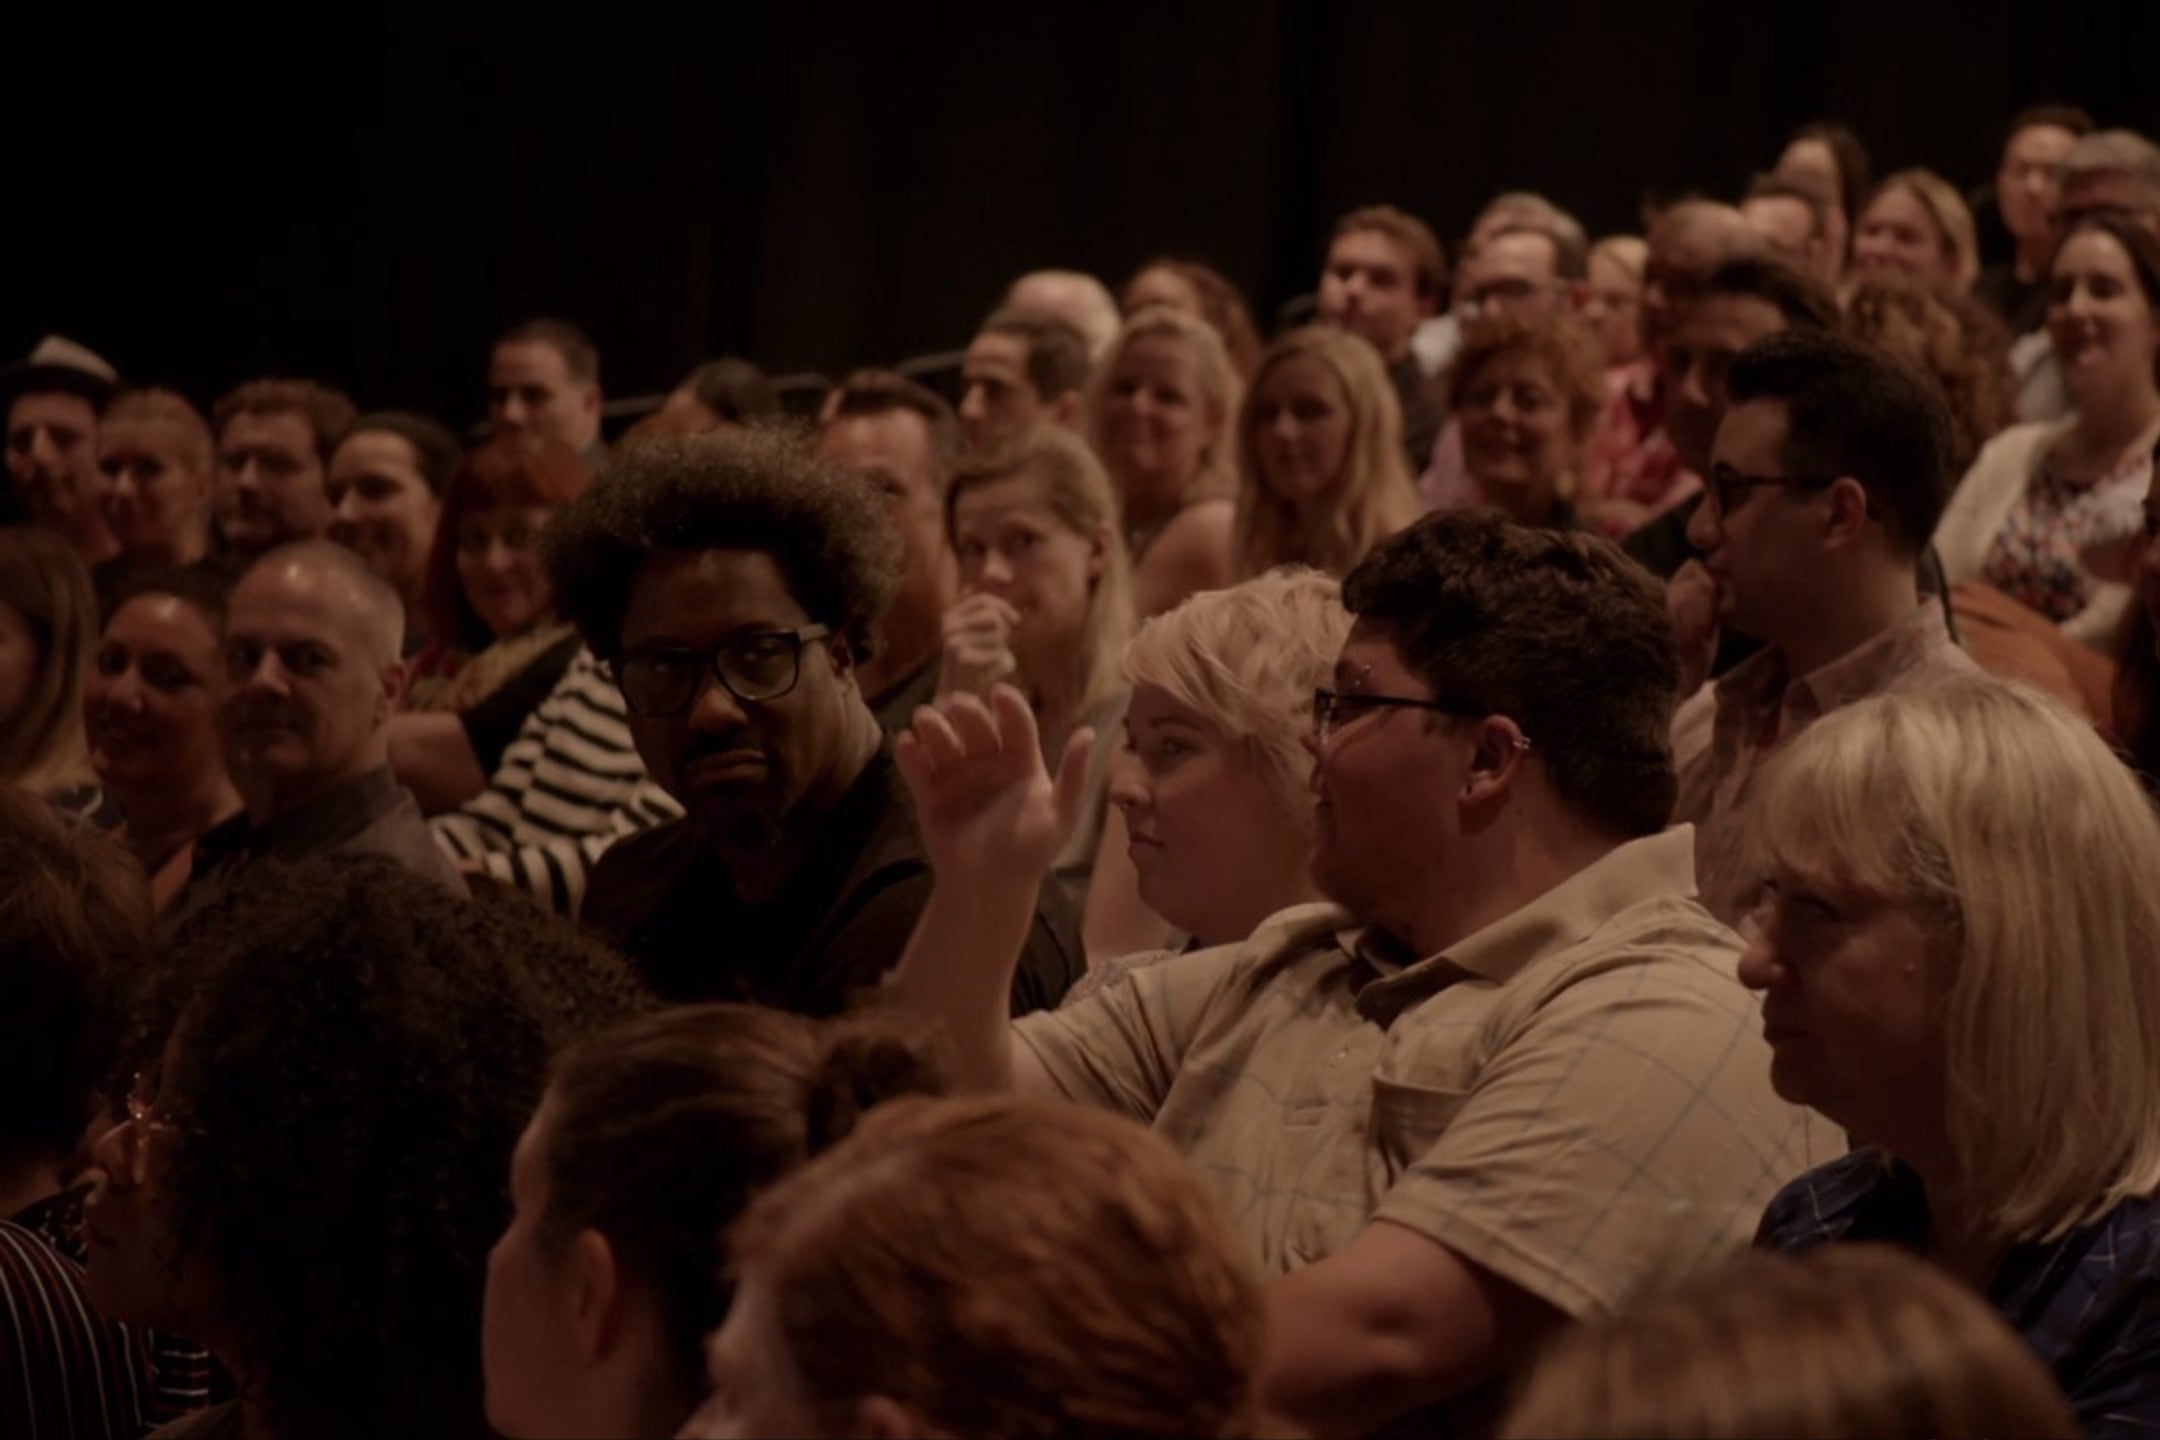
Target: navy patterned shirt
point(2089, 1303)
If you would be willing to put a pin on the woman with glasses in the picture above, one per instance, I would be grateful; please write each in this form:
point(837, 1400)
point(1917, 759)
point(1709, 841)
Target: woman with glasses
point(1525, 393)
point(332, 1072)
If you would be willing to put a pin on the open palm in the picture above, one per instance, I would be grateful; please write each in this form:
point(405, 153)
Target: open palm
point(984, 803)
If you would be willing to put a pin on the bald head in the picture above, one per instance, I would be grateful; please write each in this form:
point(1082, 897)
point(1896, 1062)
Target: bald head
point(337, 573)
point(1687, 242)
point(1078, 299)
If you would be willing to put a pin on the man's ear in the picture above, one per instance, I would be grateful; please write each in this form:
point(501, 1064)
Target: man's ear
point(1497, 761)
point(596, 1291)
point(1848, 513)
point(842, 653)
point(592, 400)
point(395, 677)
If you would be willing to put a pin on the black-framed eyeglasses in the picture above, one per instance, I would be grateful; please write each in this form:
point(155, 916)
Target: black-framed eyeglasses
point(1728, 488)
point(664, 679)
point(1331, 708)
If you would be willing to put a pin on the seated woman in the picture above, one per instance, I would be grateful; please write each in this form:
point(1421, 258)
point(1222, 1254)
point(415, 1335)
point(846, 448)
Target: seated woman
point(385, 485)
point(1159, 416)
point(1829, 159)
point(1045, 599)
point(651, 1138)
point(990, 1267)
point(150, 709)
point(159, 463)
point(1198, 290)
point(1213, 790)
point(1955, 958)
point(487, 590)
point(1916, 225)
point(1853, 1340)
point(1321, 476)
point(1954, 339)
point(333, 1067)
point(2040, 495)
point(48, 629)
point(1613, 312)
point(1526, 394)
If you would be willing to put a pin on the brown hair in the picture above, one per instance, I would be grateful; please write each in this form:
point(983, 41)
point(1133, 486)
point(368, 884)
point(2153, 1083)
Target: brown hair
point(1560, 344)
point(522, 470)
point(581, 359)
point(1955, 235)
point(43, 580)
point(1557, 630)
point(1220, 305)
point(664, 1126)
point(1846, 1340)
point(1953, 340)
point(1058, 361)
point(329, 415)
point(1427, 260)
point(1007, 1267)
point(880, 392)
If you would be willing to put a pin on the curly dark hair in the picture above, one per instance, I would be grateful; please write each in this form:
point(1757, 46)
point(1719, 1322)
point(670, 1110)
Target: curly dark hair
point(759, 488)
point(1559, 631)
point(349, 1055)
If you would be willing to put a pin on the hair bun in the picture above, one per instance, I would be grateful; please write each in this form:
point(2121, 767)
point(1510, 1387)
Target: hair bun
point(862, 1066)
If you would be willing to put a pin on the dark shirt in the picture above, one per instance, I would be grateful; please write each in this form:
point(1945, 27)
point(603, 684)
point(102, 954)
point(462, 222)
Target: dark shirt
point(895, 708)
point(369, 815)
point(2022, 304)
point(495, 721)
point(665, 899)
point(1422, 414)
point(2089, 1303)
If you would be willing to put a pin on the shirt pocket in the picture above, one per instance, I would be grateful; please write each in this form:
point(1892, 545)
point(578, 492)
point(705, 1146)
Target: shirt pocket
point(1408, 1119)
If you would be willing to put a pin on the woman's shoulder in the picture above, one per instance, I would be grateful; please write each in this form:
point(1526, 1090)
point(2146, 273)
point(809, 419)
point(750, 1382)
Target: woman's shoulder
point(1191, 552)
point(2020, 443)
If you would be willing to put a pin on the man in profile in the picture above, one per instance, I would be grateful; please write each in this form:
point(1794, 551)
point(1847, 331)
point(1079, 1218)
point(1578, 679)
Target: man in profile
point(1022, 368)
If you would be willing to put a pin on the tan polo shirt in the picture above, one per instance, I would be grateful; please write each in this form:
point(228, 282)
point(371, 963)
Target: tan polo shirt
point(1577, 1097)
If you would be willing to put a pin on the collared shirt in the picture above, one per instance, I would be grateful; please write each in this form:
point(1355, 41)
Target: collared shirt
point(1629, 455)
point(1726, 732)
point(2088, 1304)
point(1576, 1098)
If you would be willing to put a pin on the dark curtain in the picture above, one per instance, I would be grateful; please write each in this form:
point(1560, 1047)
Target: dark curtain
point(370, 198)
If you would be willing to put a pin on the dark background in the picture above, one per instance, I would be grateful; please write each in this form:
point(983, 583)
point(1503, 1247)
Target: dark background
point(369, 198)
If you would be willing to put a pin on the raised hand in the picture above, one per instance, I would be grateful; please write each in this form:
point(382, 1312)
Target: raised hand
point(984, 803)
point(1691, 603)
point(978, 645)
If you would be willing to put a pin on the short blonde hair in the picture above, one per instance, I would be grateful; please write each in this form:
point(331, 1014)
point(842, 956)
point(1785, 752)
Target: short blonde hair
point(1372, 495)
point(167, 410)
point(1249, 658)
point(1078, 491)
point(1996, 808)
point(1953, 220)
point(1220, 390)
point(1847, 1340)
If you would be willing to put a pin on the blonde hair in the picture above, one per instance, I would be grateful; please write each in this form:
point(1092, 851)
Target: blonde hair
point(45, 582)
point(1008, 1267)
point(1249, 658)
point(1953, 221)
point(1220, 391)
point(1077, 490)
point(1371, 495)
point(167, 410)
point(1995, 807)
point(1847, 1340)
point(1630, 252)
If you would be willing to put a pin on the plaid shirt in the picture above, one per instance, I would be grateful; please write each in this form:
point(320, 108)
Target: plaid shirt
point(2088, 1304)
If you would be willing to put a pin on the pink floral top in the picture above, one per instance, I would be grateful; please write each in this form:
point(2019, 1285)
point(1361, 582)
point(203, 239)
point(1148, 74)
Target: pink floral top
point(2035, 557)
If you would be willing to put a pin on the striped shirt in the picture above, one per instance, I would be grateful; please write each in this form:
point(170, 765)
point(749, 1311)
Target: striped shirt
point(569, 786)
point(66, 1372)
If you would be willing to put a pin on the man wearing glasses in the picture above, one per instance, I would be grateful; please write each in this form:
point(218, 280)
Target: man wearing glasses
point(1830, 470)
point(1507, 1077)
point(734, 585)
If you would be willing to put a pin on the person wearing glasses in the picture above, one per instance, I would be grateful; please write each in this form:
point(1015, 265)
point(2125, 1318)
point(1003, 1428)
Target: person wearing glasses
point(1509, 1075)
point(733, 584)
point(1829, 473)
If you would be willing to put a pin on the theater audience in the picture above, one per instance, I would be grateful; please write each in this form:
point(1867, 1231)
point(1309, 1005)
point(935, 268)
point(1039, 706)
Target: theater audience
point(1383, 276)
point(1200, 290)
point(2041, 493)
point(1850, 1341)
point(904, 440)
point(544, 379)
point(1954, 962)
point(160, 469)
point(1831, 160)
point(75, 920)
point(150, 710)
point(1023, 367)
point(2028, 185)
point(1525, 392)
point(486, 596)
point(274, 443)
point(52, 399)
point(1830, 470)
point(1612, 306)
point(649, 1141)
point(992, 1267)
point(731, 583)
point(1320, 460)
point(1398, 1096)
point(312, 639)
point(1160, 412)
point(385, 487)
point(331, 1069)
point(1212, 787)
point(1078, 299)
point(1044, 603)
point(48, 629)
point(1917, 225)
point(1955, 341)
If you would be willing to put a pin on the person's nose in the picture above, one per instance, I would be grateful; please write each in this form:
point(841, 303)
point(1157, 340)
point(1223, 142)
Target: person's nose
point(348, 509)
point(715, 710)
point(1129, 790)
point(1695, 387)
point(267, 674)
point(1704, 530)
point(974, 405)
point(996, 572)
point(1760, 968)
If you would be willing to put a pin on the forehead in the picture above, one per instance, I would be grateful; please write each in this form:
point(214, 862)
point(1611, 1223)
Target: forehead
point(1159, 357)
point(1750, 436)
point(893, 440)
point(1786, 214)
point(2093, 250)
point(2040, 143)
point(1161, 286)
point(161, 620)
point(1369, 657)
point(1019, 496)
point(1301, 372)
point(51, 407)
point(1516, 253)
point(289, 600)
point(1727, 322)
point(687, 592)
point(528, 362)
point(1899, 205)
point(274, 430)
point(996, 350)
point(376, 450)
point(1371, 250)
point(131, 437)
point(1152, 706)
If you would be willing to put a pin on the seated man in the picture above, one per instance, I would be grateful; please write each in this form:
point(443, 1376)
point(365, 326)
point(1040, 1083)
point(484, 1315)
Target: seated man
point(274, 443)
point(1381, 280)
point(52, 400)
point(1510, 1076)
point(1794, 222)
point(1830, 470)
point(734, 583)
point(1073, 296)
point(312, 646)
point(1022, 368)
point(544, 379)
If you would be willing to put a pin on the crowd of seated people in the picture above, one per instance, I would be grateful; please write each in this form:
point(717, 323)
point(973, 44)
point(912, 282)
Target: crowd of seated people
point(1563, 845)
